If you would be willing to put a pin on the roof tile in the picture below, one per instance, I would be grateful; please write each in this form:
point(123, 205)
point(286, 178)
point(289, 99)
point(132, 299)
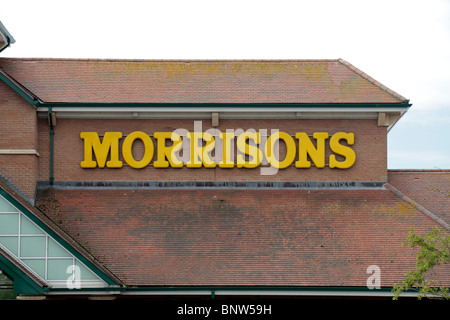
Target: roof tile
point(242, 238)
point(429, 188)
point(197, 81)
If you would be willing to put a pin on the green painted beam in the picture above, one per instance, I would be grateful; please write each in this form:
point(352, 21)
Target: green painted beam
point(28, 96)
point(23, 284)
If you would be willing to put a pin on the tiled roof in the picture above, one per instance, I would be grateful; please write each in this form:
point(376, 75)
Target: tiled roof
point(428, 188)
point(193, 81)
point(242, 237)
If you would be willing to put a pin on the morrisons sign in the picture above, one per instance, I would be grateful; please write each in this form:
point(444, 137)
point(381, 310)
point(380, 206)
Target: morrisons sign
point(217, 149)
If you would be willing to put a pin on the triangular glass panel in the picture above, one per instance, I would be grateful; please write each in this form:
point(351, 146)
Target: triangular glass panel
point(28, 227)
point(5, 206)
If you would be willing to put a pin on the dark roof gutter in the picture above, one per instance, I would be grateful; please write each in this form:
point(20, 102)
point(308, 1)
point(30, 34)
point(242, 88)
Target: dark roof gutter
point(19, 89)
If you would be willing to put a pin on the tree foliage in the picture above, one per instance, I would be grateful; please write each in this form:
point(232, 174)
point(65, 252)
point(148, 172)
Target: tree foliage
point(434, 250)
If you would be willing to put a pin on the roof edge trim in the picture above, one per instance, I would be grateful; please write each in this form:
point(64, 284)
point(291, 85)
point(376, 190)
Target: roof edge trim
point(428, 213)
point(244, 291)
point(373, 81)
point(19, 88)
point(404, 104)
point(8, 38)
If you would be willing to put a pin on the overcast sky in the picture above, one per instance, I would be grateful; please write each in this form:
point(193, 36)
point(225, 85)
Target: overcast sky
point(404, 44)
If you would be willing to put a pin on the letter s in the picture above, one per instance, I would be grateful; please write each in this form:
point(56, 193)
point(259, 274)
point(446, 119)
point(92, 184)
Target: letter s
point(347, 152)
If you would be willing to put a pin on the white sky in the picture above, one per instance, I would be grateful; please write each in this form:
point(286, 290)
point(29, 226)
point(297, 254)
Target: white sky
point(404, 44)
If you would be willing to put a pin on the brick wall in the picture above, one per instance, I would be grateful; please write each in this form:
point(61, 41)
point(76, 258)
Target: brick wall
point(370, 148)
point(18, 131)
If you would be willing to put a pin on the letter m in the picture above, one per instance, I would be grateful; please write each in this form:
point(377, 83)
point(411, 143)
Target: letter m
point(109, 144)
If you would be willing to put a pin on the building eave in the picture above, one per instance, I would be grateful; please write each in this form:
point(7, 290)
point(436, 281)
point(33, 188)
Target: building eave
point(388, 112)
point(6, 39)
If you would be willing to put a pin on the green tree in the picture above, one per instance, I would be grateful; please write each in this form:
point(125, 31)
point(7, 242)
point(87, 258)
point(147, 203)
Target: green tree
point(434, 250)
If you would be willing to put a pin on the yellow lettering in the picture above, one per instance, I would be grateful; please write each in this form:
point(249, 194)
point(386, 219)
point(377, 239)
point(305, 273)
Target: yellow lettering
point(127, 149)
point(226, 162)
point(305, 147)
point(348, 153)
point(164, 152)
point(200, 154)
point(290, 150)
point(253, 151)
point(110, 144)
point(202, 144)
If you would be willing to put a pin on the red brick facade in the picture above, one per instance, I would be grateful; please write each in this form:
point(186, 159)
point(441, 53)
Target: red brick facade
point(18, 130)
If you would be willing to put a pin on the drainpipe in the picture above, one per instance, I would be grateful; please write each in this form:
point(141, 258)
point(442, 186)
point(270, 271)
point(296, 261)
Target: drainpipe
point(52, 133)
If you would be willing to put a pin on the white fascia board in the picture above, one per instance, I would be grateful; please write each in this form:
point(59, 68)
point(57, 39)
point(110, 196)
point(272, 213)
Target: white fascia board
point(304, 293)
point(205, 115)
point(313, 293)
point(237, 292)
point(58, 284)
point(224, 112)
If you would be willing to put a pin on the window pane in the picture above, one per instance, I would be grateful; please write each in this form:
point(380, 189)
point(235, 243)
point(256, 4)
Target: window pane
point(32, 246)
point(85, 273)
point(57, 269)
point(9, 223)
point(55, 249)
point(10, 243)
point(28, 227)
point(5, 206)
point(37, 265)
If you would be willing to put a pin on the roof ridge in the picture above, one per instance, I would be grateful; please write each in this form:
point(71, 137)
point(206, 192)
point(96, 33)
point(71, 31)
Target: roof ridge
point(219, 84)
point(373, 81)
